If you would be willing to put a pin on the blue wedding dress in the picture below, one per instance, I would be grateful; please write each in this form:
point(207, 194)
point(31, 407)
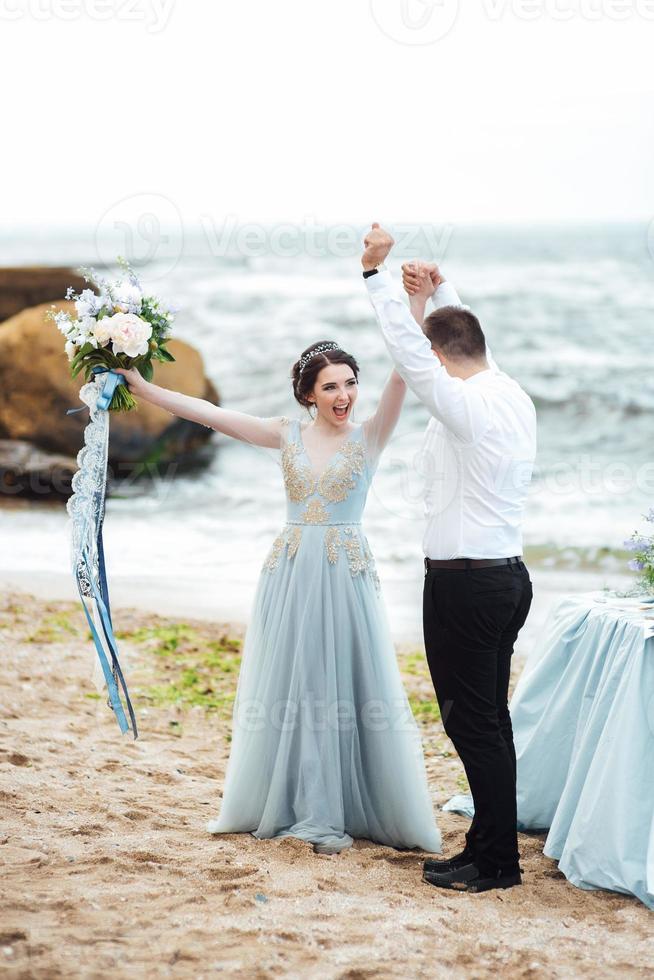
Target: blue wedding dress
point(324, 745)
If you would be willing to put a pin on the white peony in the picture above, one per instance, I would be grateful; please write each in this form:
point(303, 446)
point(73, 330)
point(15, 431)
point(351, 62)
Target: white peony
point(102, 331)
point(129, 333)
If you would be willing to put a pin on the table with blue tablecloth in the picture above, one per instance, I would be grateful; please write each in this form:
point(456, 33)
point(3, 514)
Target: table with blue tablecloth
point(583, 721)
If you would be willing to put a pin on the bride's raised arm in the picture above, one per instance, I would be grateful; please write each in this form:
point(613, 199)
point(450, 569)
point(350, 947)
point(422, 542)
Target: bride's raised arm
point(379, 427)
point(248, 428)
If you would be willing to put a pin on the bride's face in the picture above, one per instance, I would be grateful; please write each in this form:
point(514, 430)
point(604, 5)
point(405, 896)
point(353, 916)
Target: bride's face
point(335, 393)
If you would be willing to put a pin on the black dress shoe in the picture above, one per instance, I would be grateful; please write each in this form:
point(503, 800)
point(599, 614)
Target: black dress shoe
point(464, 857)
point(468, 878)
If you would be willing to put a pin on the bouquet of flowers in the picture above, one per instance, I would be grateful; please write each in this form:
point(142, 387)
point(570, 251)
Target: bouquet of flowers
point(643, 548)
point(117, 326)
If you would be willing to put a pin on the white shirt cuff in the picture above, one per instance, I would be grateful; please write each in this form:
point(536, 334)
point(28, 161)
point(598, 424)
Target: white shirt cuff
point(446, 295)
point(381, 280)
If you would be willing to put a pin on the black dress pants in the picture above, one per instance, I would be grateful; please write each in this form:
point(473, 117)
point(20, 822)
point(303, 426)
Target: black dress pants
point(471, 618)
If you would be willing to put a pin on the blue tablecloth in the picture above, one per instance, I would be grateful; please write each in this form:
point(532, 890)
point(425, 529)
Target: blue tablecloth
point(583, 720)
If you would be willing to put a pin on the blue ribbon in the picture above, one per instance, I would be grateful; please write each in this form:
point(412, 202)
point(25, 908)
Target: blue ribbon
point(114, 696)
point(111, 640)
point(110, 385)
point(112, 673)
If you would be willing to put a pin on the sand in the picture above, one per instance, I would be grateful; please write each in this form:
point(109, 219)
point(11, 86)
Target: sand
point(107, 868)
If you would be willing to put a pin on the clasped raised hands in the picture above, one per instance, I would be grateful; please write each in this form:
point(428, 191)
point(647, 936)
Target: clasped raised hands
point(420, 279)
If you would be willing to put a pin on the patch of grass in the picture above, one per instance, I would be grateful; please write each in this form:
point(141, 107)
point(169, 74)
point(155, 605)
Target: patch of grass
point(425, 710)
point(13, 608)
point(164, 639)
point(414, 663)
point(92, 695)
point(189, 692)
point(462, 783)
point(53, 628)
point(587, 558)
point(186, 669)
point(222, 657)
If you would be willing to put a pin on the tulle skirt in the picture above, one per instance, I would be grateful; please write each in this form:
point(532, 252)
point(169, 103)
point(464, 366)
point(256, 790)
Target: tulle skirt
point(324, 745)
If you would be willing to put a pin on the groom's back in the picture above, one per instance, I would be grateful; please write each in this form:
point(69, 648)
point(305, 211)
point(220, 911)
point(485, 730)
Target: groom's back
point(475, 492)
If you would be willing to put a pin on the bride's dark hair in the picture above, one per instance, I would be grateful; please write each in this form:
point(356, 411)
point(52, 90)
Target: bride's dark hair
point(304, 378)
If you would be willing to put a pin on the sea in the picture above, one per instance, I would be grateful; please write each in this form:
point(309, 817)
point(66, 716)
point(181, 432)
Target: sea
point(568, 311)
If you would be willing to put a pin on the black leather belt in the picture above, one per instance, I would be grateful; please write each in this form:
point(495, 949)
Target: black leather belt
point(470, 562)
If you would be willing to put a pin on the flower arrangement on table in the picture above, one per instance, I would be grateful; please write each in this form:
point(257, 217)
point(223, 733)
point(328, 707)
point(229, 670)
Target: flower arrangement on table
point(642, 546)
point(117, 326)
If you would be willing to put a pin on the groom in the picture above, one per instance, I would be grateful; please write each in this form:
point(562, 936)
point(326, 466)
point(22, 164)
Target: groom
point(480, 447)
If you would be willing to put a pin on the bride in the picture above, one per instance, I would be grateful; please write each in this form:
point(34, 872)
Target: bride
point(324, 745)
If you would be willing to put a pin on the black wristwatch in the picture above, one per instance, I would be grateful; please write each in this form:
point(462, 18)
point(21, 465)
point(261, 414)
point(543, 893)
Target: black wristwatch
point(373, 272)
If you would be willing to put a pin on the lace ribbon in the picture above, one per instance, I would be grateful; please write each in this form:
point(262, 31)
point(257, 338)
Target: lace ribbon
point(86, 508)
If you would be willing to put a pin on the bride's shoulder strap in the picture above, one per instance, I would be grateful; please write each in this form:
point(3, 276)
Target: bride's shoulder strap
point(290, 428)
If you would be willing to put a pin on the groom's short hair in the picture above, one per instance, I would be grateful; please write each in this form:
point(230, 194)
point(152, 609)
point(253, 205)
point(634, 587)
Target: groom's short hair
point(456, 332)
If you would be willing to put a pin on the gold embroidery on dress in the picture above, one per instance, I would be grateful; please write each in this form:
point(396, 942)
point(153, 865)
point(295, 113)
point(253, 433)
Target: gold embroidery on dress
point(332, 544)
point(338, 479)
point(298, 478)
point(334, 485)
point(273, 555)
point(289, 536)
point(315, 513)
point(355, 557)
point(294, 538)
point(372, 567)
point(359, 556)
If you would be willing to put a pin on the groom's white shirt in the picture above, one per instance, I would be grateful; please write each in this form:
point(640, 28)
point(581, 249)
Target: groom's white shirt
point(480, 444)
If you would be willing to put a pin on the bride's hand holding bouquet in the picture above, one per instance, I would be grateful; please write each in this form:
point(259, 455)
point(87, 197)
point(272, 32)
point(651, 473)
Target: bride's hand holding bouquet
point(119, 327)
point(134, 381)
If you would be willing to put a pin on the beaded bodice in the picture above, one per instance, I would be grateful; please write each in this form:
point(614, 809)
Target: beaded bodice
point(338, 494)
point(324, 510)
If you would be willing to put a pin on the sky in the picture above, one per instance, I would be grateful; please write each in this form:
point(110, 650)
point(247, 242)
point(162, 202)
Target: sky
point(343, 111)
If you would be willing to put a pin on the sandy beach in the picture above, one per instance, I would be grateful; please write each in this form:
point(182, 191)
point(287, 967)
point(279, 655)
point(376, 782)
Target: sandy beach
point(107, 867)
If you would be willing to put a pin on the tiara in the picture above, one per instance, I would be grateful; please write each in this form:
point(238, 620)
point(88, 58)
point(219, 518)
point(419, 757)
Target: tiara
point(304, 360)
